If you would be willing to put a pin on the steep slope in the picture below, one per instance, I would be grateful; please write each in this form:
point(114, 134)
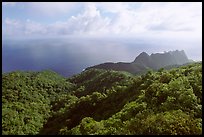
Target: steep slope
point(170, 58)
point(89, 96)
point(164, 102)
point(180, 57)
point(104, 102)
point(143, 62)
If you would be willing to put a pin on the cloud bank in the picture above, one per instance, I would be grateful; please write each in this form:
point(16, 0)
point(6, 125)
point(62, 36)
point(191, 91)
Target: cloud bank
point(180, 18)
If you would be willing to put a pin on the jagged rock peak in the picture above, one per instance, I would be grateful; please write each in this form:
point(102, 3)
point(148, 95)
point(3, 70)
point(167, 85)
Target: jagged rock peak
point(142, 56)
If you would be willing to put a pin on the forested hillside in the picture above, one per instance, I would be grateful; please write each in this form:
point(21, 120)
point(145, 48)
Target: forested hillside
point(103, 102)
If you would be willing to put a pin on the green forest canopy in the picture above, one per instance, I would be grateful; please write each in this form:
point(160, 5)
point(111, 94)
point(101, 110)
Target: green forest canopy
point(103, 102)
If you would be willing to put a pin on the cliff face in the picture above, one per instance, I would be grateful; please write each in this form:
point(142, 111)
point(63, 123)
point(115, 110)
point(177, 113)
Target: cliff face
point(143, 61)
point(158, 60)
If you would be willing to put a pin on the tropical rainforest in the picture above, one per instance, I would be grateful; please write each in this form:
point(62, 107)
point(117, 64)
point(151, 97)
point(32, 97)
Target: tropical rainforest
point(103, 102)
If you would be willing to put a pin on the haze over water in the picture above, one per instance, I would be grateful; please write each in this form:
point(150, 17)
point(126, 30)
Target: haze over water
point(68, 37)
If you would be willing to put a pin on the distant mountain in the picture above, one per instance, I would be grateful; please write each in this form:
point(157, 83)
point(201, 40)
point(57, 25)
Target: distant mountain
point(144, 61)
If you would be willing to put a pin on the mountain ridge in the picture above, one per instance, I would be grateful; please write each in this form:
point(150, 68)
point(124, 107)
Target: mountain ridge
point(144, 62)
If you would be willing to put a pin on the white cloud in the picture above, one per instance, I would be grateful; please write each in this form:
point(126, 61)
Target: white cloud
point(51, 8)
point(34, 28)
point(8, 3)
point(173, 16)
point(113, 7)
point(150, 19)
point(18, 28)
point(89, 22)
point(12, 27)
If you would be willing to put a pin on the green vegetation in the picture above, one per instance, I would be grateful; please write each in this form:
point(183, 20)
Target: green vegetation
point(26, 100)
point(103, 102)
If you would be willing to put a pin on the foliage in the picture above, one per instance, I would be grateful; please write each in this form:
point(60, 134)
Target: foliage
point(104, 102)
point(27, 98)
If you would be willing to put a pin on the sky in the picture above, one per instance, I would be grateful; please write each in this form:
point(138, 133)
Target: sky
point(115, 31)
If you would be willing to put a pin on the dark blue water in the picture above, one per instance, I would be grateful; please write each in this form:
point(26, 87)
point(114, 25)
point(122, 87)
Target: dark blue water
point(36, 58)
point(68, 57)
